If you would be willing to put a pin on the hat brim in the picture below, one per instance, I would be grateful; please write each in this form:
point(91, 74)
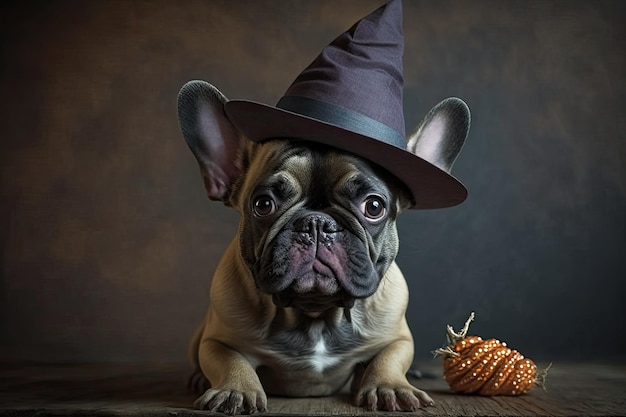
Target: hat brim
point(431, 186)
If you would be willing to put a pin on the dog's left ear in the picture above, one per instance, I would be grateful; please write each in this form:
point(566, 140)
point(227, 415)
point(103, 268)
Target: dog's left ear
point(211, 137)
point(440, 136)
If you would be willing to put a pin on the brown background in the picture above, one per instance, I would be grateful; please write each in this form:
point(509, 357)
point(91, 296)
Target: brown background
point(107, 242)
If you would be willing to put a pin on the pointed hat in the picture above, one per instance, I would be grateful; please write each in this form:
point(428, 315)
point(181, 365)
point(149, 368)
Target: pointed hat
point(350, 97)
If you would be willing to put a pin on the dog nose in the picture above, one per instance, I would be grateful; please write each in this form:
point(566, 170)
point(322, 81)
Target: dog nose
point(318, 226)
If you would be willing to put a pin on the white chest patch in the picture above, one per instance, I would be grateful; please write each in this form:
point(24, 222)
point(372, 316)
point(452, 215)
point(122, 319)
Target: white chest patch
point(320, 358)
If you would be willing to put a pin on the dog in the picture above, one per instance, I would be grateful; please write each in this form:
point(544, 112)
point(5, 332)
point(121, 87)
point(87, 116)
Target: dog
point(308, 298)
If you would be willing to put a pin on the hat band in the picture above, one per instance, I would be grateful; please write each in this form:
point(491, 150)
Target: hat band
point(342, 117)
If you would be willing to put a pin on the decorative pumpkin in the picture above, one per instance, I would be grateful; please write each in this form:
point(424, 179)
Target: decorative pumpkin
point(486, 367)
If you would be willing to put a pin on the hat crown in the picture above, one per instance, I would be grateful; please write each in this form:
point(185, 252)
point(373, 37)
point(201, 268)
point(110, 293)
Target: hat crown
point(350, 98)
point(360, 74)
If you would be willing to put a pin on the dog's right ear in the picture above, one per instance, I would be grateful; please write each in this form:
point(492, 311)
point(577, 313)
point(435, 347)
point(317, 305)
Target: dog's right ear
point(211, 137)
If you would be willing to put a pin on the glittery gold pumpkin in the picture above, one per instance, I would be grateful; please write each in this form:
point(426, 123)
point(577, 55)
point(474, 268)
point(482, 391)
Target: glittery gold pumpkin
point(486, 367)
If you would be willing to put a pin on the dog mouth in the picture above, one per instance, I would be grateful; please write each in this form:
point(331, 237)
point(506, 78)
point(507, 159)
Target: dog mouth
point(312, 302)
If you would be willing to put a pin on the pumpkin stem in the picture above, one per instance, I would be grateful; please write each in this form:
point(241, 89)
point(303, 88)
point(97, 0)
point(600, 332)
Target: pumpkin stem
point(445, 351)
point(541, 377)
point(454, 337)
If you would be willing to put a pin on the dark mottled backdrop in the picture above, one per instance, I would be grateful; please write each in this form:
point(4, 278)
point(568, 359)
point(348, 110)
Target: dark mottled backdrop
point(108, 243)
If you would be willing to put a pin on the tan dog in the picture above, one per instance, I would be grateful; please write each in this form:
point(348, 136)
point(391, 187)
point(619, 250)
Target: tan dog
point(308, 296)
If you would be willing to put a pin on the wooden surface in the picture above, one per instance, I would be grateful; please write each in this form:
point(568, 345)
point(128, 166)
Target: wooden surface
point(159, 390)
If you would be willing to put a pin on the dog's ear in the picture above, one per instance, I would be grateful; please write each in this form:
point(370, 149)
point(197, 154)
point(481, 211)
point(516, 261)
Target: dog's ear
point(440, 136)
point(211, 137)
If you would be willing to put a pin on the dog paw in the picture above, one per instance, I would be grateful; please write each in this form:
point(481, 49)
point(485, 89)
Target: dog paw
point(232, 402)
point(404, 397)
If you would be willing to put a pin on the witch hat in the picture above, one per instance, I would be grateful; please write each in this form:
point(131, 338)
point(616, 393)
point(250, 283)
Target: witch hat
point(350, 97)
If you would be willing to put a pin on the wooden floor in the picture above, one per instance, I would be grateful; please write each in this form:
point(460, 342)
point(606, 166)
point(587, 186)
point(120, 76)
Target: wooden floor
point(159, 390)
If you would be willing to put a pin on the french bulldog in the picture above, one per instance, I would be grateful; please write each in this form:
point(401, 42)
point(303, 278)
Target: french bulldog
point(308, 298)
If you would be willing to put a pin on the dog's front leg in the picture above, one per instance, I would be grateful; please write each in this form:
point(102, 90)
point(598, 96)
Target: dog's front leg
point(383, 384)
point(235, 386)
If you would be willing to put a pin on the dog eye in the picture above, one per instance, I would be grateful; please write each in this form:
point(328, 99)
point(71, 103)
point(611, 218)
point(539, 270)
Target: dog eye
point(263, 206)
point(373, 207)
